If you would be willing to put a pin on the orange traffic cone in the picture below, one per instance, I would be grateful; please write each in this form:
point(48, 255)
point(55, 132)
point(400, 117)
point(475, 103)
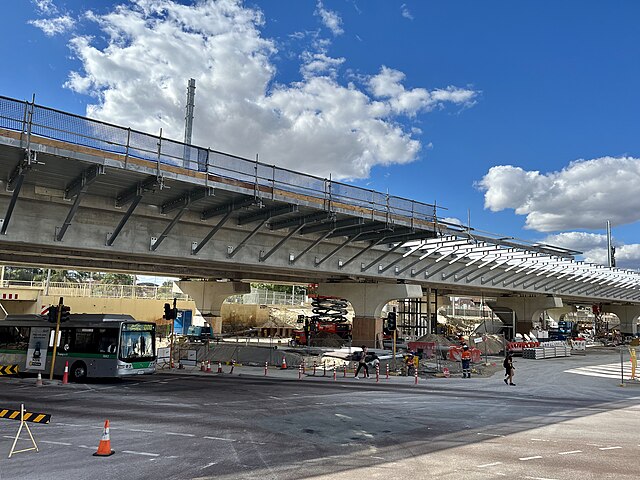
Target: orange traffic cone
point(219, 367)
point(284, 363)
point(104, 447)
point(202, 367)
point(39, 380)
point(65, 377)
point(208, 370)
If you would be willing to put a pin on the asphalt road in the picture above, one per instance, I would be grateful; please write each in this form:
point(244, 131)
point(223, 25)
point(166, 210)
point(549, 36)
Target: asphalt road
point(566, 419)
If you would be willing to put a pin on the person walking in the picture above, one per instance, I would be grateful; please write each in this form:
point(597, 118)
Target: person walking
point(465, 358)
point(508, 370)
point(362, 362)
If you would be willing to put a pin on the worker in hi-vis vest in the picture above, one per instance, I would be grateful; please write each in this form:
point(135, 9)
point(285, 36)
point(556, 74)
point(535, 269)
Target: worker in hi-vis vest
point(466, 362)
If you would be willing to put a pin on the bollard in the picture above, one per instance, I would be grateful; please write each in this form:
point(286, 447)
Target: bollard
point(202, 367)
point(334, 374)
point(219, 367)
point(345, 370)
point(266, 368)
point(314, 368)
point(377, 373)
point(416, 376)
point(208, 370)
point(324, 369)
point(39, 380)
point(300, 371)
point(65, 376)
point(304, 370)
point(387, 371)
point(233, 364)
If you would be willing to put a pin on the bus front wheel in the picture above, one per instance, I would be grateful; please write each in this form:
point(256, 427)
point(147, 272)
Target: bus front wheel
point(78, 372)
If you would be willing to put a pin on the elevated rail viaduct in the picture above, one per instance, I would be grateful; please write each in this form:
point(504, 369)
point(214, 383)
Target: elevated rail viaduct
point(80, 193)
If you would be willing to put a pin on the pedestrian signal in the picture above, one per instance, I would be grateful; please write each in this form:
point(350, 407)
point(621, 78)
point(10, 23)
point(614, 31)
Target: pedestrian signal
point(169, 313)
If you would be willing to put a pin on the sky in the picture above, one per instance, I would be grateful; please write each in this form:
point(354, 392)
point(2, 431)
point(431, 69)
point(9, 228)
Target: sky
point(519, 118)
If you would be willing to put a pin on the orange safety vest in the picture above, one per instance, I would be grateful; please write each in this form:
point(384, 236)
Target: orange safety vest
point(466, 355)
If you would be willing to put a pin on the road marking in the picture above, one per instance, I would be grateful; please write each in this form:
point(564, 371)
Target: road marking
point(84, 446)
point(140, 430)
point(208, 465)
point(538, 440)
point(146, 454)
point(489, 465)
point(609, 448)
point(181, 434)
point(216, 438)
point(490, 434)
point(524, 459)
point(541, 478)
point(569, 453)
point(55, 443)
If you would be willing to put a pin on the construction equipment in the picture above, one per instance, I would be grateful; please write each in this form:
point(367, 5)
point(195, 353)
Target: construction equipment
point(328, 323)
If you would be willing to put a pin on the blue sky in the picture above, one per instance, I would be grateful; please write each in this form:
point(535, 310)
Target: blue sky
point(521, 114)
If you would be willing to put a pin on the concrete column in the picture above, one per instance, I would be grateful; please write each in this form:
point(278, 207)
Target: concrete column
point(628, 315)
point(526, 309)
point(368, 300)
point(209, 297)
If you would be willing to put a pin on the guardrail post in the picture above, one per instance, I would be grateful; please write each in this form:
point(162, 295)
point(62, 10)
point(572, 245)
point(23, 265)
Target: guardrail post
point(126, 150)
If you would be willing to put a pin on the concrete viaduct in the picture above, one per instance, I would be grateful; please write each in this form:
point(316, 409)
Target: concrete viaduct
point(79, 193)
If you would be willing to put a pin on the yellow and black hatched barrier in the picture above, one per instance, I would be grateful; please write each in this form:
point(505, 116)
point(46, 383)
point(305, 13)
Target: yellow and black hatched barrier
point(24, 417)
point(9, 370)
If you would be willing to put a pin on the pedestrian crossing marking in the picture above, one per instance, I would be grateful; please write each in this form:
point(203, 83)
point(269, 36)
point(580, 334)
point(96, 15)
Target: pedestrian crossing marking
point(608, 370)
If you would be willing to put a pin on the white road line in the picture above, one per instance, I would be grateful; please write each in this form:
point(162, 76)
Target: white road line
point(208, 465)
point(538, 440)
point(540, 478)
point(140, 430)
point(55, 443)
point(609, 448)
point(490, 434)
point(84, 446)
point(216, 438)
point(489, 465)
point(146, 454)
point(569, 453)
point(524, 459)
point(181, 434)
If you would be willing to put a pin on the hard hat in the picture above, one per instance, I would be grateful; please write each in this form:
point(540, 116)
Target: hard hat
point(466, 347)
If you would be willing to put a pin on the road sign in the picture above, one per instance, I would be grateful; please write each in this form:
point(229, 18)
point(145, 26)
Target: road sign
point(8, 369)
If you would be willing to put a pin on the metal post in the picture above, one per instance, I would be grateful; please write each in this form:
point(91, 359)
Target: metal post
point(55, 338)
point(621, 367)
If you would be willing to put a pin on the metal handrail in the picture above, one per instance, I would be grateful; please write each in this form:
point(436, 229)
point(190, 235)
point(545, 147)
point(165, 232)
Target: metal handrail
point(46, 122)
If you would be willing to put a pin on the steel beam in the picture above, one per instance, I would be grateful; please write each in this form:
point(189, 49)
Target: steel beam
point(266, 214)
point(302, 221)
point(280, 243)
point(229, 207)
point(337, 249)
point(247, 238)
point(332, 226)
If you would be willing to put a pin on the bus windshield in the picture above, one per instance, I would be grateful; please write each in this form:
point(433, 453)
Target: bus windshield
point(137, 342)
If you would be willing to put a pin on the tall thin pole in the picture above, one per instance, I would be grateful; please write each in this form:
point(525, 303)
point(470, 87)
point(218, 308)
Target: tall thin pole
point(55, 338)
point(609, 250)
point(188, 120)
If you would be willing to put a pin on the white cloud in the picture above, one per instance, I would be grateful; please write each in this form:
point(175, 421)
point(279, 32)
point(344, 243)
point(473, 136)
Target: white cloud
point(316, 125)
point(405, 11)
point(594, 248)
point(584, 195)
point(54, 26)
point(45, 7)
point(387, 85)
point(330, 19)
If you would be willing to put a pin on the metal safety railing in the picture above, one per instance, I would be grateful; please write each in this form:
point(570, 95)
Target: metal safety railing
point(98, 290)
point(32, 120)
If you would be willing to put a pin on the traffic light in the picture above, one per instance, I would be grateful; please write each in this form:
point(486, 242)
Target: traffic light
point(65, 314)
point(169, 313)
point(391, 321)
point(52, 315)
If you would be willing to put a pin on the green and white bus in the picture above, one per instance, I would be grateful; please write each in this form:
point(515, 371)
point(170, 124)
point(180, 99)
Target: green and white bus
point(95, 345)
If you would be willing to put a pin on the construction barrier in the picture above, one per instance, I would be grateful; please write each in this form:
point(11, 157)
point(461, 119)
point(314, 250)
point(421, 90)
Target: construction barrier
point(9, 369)
point(24, 417)
point(455, 354)
point(518, 347)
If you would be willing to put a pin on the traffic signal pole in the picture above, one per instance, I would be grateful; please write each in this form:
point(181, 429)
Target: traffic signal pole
point(55, 338)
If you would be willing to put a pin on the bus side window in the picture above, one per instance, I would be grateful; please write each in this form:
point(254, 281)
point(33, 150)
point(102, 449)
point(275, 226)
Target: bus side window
point(14, 338)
